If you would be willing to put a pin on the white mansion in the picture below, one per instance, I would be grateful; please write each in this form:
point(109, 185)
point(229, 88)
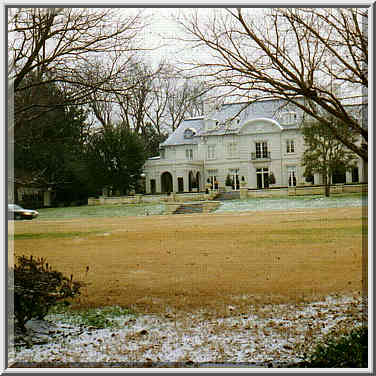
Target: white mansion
point(263, 140)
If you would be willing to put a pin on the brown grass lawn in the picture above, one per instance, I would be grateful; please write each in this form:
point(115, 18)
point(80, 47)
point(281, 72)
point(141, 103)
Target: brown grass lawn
point(203, 260)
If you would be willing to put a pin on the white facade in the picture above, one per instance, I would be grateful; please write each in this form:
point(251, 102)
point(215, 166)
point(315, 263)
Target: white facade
point(248, 146)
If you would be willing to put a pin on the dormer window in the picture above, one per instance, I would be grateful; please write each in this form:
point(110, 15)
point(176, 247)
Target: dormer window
point(189, 132)
point(210, 124)
point(288, 117)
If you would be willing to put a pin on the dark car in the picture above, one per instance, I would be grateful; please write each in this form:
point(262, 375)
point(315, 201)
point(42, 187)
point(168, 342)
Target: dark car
point(17, 212)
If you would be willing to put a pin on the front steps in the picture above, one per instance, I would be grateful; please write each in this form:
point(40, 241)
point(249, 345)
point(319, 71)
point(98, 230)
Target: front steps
point(191, 207)
point(188, 209)
point(233, 195)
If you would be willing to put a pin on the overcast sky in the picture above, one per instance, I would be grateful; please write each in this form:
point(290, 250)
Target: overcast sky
point(163, 31)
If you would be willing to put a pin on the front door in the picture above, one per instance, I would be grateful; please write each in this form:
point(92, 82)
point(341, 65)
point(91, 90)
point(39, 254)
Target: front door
point(262, 177)
point(291, 175)
point(234, 174)
point(339, 175)
point(355, 175)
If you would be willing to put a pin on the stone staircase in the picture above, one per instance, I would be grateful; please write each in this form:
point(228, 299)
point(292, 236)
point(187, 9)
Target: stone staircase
point(191, 207)
point(188, 209)
point(222, 196)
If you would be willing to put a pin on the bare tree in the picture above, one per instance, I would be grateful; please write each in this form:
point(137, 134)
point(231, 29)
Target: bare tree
point(178, 103)
point(102, 108)
point(184, 97)
point(135, 101)
point(291, 54)
point(64, 45)
point(157, 97)
point(156, 111)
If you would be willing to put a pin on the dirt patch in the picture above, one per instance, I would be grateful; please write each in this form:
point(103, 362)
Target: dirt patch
point(185, 262)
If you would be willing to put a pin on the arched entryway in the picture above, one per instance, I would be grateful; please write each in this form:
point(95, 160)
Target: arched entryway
point(166, 182)
point(198, 179)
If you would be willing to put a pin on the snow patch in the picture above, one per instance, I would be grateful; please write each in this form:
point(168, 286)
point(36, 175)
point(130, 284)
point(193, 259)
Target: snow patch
point(272, 336)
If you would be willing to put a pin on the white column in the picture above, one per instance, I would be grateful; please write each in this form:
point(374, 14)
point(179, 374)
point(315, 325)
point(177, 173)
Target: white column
point(318, 178)
point(186, 180)
point(47, 198)
point(363, 172)
point(174, 181)
point(348, 176)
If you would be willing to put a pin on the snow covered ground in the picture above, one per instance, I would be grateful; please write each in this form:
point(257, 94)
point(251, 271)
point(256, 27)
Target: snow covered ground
point(263, 336)
point(295, 202)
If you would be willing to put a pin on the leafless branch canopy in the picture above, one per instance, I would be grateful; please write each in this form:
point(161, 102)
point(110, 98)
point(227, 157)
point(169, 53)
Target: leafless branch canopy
point(64, 45)
point(158, 97)
point(319, 54)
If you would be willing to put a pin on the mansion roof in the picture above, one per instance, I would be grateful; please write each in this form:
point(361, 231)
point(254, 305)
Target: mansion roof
point(229, 119)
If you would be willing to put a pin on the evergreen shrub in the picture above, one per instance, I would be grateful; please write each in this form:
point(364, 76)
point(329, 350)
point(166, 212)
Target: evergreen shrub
point(37, 287)
point(346, 351)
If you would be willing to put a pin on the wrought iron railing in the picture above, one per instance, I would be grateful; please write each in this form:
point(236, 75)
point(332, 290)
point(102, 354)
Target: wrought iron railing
point(263, 155)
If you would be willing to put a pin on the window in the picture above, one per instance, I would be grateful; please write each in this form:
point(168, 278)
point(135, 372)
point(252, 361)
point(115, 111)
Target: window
point(163, 153)
point(189, 132)
point(231, 150)
point(211, 151)
point(189, 154)
point(261, 149)
point(290, 146)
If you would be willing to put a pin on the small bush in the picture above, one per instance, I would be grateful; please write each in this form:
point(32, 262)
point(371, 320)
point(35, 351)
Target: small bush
point(37, 288)
point(271, 178)
point(347, 351)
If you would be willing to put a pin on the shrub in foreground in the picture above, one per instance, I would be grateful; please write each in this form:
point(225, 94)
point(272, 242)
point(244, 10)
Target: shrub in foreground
point(347, 351)
point(37, 287)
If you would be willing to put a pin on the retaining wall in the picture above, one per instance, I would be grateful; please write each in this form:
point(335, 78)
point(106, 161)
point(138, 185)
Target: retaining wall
point(302, 190)
point(138, 199)
point(244, 194)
